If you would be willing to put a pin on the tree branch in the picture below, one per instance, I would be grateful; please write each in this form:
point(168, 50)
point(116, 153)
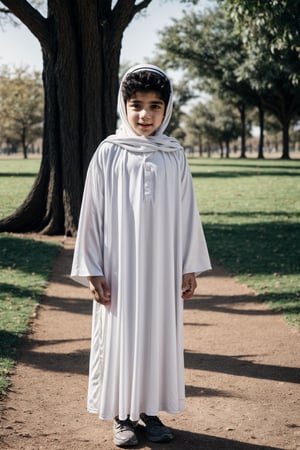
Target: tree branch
point(141, 5)
point(30, 17)
point(124, 11)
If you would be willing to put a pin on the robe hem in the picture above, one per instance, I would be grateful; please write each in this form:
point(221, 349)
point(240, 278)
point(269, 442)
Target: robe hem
point(156, 413)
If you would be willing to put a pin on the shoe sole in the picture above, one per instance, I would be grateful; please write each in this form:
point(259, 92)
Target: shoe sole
point(166, 438)
point(128, 443)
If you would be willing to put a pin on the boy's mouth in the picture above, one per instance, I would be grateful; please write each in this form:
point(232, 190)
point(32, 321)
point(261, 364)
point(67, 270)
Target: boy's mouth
point(144, 125)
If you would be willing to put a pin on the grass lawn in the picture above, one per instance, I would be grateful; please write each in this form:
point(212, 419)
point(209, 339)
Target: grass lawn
point(250, 211)
point(25, 265)
point(16, 178)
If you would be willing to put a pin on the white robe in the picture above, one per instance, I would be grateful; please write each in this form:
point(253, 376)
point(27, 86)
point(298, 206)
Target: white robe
point(140, 228)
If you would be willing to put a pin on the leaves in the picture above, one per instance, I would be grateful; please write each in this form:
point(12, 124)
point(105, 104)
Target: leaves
point(21, 105)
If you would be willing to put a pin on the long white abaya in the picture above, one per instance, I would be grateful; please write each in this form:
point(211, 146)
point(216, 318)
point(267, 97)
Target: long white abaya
point(140, 228)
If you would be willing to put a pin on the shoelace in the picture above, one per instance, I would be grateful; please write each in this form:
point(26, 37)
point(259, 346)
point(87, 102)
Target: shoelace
point(153, 419)
point(122, 424)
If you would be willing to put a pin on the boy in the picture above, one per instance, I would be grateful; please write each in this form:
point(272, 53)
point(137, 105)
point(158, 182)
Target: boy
point(139, 244)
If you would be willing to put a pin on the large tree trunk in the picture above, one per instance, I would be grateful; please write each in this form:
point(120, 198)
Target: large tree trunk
point(81, 44)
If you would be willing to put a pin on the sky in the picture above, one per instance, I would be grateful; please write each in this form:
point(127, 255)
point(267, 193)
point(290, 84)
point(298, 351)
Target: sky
point(19, 47)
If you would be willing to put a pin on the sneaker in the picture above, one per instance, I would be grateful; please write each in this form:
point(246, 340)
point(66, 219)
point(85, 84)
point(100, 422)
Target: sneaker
point(124, 434)
point(155, 429)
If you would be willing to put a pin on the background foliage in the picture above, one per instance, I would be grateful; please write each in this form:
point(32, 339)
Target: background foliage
point(251, 213)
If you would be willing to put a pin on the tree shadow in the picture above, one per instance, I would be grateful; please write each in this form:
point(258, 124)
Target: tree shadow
point(76, 362)
point(247, 165)
point(26, 255)
point(9, 342)
point(229, 305)
point(195, 441)
point(18, 174)
point(19, 293)
point(263, 248)
point(71, 305)
point(244, 173)
point(294, 215)
point(196, 391)
point(239, 366)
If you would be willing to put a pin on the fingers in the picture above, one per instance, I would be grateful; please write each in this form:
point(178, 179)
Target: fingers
point(100, 291)
point(189, 285)
point(100, 297)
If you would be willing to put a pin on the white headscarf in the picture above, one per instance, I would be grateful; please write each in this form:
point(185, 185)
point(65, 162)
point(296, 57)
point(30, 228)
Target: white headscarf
point(127, 138)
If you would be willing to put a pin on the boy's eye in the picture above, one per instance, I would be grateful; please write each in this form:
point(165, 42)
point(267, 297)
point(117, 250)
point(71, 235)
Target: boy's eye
point(134, 105)
point(137, 106)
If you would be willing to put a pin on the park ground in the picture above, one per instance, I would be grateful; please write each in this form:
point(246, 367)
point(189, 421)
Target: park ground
point(242, 379)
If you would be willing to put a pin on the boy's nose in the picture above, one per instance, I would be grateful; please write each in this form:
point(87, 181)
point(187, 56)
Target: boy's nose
point(144, 113)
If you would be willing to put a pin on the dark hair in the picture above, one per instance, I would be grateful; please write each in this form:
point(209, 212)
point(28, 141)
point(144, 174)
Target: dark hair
point(146, 81)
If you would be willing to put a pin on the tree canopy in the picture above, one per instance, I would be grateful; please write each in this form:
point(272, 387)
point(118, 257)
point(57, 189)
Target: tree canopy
point(275, 22)
point(21, 106)
point(271, 35)
point(81, 44)
point(248, 72)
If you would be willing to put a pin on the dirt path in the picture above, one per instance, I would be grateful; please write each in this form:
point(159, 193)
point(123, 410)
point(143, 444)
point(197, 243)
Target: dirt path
point(242, 381)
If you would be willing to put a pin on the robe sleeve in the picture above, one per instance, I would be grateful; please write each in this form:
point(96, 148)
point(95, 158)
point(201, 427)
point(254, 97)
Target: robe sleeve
point(88, 253)
point(194, 248)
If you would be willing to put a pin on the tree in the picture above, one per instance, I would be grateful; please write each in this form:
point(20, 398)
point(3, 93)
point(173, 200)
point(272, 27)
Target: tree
point(213, 122)
point(271, 34)
point(276, 21)
point(21, 106)
point(270, 79)
point(81, 43)
point(247, 64)
point(198, 124)
point(182, 95)
point(226, 123)
point(204, 44)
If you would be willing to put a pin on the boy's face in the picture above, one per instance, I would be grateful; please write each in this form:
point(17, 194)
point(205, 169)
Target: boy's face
point(145, 112)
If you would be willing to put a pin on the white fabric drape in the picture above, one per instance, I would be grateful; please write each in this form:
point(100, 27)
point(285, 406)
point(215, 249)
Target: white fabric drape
point(140, 228)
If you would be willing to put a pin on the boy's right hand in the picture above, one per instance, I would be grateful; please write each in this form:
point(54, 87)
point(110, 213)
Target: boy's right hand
point(100, 290)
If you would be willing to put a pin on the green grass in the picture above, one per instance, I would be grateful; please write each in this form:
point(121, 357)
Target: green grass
point(16, 178)
point(250, 211)
point(25, 265)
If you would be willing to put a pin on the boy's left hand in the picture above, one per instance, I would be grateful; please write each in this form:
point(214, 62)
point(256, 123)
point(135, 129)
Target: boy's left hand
point(189, 285)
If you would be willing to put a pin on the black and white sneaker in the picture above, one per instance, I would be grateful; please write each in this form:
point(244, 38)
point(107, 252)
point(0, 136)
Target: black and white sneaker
point(155, 429)
point(124, 434)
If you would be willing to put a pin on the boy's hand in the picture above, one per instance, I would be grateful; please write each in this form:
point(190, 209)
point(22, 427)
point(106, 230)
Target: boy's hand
point(100, 290)
point(189, 285)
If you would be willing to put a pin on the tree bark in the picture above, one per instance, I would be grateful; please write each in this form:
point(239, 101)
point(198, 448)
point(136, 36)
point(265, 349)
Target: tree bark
point(81, 44)
point(285, 140)
point(227, 143)
point(221, 149)
point(284, 105)
point(242, 111)
point(24, 144)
